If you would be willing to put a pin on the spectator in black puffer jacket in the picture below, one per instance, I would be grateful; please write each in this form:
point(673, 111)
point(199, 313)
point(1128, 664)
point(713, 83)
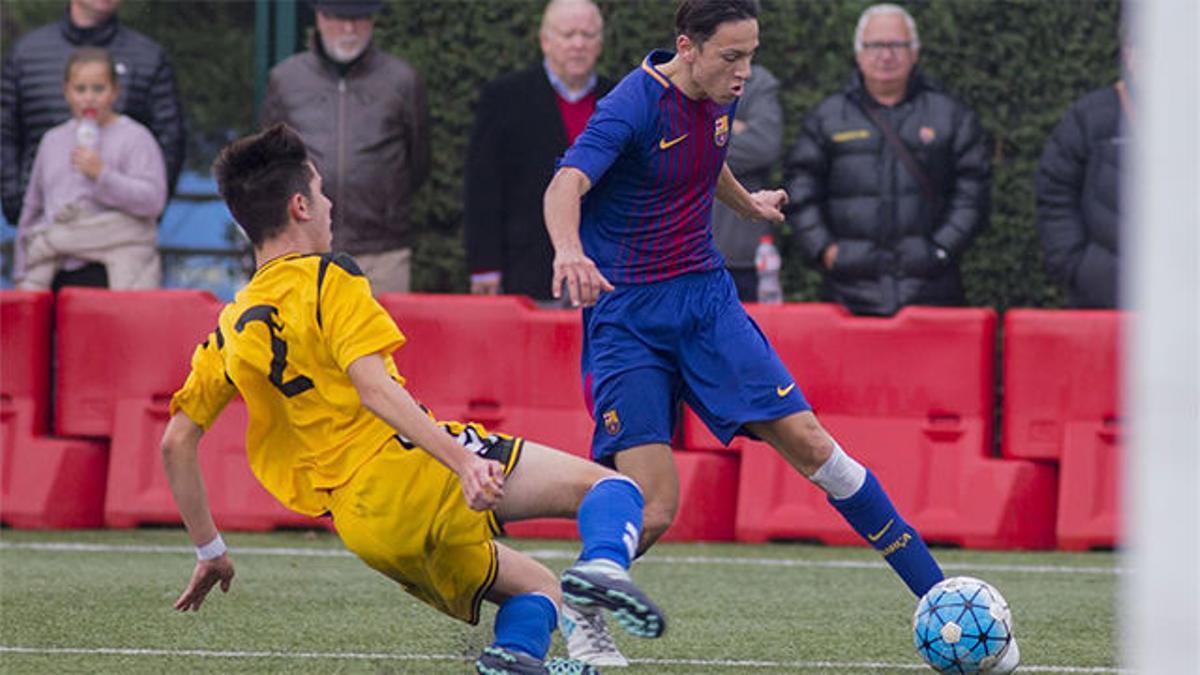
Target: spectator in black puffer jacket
point(883, 236)
point(31, 98)
point(1078, 194)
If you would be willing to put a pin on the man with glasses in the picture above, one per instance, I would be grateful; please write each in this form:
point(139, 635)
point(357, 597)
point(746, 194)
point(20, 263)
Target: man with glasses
point(890, 178)
point(523, 122)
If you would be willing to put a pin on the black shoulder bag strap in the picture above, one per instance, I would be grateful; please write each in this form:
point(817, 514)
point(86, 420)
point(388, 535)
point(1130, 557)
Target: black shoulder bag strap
point(906, 157)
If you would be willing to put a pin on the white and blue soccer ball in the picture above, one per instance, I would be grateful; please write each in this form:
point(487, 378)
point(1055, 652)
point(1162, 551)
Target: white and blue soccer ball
point(962, 625)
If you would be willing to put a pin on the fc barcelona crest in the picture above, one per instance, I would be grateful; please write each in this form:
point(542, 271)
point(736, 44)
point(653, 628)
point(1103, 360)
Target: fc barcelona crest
point(612, 423)
point(721, 132)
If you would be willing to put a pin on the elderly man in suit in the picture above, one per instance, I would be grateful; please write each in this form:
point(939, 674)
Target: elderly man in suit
point(523, 122)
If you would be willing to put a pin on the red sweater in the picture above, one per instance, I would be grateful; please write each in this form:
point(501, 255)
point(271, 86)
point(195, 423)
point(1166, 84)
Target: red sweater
point(575, 115)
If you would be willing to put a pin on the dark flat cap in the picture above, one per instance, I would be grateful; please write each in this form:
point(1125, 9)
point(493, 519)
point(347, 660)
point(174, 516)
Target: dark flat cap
point(348, 9)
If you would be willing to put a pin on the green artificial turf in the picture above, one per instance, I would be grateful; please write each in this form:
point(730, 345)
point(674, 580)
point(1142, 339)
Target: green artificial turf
point(100, 602)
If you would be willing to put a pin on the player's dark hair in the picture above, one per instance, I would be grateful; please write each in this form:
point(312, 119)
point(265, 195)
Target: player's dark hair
point(91, 55)
point(699, 19)
point(258, 174)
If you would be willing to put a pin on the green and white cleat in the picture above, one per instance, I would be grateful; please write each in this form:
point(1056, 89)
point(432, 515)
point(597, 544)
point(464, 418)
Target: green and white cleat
point(560, 666)
point(501, 661)
point(605, 585)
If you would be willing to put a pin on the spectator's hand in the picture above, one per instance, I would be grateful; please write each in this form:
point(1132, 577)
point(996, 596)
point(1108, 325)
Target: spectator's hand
point(482, 483)
point(485, 287)
point(584, 281)
point(768, 205)
point(206, 575)
point(829, 256)
point(87, 161)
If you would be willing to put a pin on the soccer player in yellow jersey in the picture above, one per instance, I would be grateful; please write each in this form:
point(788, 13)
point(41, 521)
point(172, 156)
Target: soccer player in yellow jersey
point(332, 430)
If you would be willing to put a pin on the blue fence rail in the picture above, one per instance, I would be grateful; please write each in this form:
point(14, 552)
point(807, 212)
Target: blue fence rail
point(201, 246)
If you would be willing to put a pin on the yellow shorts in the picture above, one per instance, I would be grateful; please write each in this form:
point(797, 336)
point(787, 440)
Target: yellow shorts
point(404, 514)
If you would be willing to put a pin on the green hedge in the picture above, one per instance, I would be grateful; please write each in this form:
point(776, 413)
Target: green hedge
point(1019, 63)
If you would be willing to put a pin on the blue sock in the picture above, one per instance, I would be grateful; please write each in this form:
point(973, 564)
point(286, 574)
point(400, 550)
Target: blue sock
point(610, 520)
point(871, 514)
point(524, 624)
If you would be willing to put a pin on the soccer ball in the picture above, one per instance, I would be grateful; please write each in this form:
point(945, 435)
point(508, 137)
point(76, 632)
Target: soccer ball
point(962, 625)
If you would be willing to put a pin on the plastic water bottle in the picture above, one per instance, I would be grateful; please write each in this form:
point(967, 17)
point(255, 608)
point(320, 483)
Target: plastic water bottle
point(87, 134)
point(767, 262)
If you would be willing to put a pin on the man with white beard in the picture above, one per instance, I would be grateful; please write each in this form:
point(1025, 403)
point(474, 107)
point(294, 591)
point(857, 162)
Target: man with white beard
point(364, 116)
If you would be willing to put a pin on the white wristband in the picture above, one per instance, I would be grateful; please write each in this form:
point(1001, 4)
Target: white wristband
point(213, 549)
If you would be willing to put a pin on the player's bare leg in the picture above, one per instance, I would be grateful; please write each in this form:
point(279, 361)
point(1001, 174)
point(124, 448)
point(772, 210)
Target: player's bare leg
point(653, 467)
point(547, 483)
point(517, 573)
point(799, 438)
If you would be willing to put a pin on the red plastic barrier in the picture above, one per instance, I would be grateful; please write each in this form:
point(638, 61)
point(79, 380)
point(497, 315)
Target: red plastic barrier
point(25, 322)
point(708, 497)
point(138, 492)
point(127, 344)
point(708, 485)
point(1061, 402)
point(500, 361)
point(51, 483)
point(44, 482)
point(121, 356)
point(1060, 367)
point(911, 398)
point(497, 361)
point(503, 363)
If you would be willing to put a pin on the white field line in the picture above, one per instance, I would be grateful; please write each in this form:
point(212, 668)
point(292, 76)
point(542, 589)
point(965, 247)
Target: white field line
point(553, 554)
point(383, 656)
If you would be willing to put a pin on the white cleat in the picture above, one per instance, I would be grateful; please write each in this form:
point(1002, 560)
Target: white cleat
point(1009, 660)
point(588, 639)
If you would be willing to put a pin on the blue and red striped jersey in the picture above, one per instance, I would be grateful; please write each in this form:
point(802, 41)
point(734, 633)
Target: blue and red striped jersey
point(653, 156)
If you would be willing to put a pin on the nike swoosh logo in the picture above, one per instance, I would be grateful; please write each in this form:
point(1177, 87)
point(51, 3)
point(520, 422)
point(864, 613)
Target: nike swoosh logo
point(875, 537)
point(664, 144)
point(784, 391)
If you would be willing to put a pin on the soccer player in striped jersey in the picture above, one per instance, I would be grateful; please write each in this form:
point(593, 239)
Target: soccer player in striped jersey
point(332, 431)
point(629, 214)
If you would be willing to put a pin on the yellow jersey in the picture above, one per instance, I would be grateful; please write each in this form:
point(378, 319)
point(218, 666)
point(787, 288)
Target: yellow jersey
point(285, 343)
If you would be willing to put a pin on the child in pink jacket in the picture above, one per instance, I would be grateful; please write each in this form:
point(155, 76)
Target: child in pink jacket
point(97, 188)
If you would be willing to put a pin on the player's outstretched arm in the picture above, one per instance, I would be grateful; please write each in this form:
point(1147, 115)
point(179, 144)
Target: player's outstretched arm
point(179, 444)
point(761, 205)
point(561, 210)
point(482, 480)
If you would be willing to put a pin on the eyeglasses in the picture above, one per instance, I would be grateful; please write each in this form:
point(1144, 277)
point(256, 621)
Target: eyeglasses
point(892, 46)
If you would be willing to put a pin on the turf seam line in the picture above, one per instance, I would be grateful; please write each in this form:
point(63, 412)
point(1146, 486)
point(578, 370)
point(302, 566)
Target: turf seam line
point(551, 554)
point(380, 656)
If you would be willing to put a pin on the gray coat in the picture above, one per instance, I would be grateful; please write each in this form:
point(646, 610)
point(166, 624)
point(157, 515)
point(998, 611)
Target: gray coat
point(752, 154)
point(366, 126)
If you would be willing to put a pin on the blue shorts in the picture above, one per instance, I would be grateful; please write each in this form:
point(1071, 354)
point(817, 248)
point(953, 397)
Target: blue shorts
point(649, 346)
